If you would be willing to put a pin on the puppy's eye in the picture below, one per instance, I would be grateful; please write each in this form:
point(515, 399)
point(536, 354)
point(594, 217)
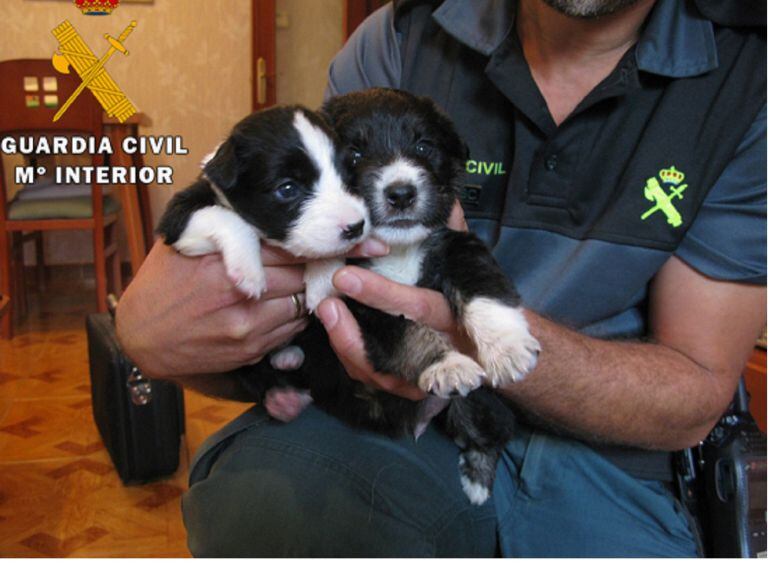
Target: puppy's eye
point(423, 148)
point(355, 157)
point(287, 191)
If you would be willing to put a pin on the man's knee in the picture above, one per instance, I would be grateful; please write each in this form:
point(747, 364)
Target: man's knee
point(270, 496)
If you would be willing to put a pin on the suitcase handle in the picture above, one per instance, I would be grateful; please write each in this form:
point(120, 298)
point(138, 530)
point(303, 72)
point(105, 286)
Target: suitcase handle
point(139, 387)
point(112, 305)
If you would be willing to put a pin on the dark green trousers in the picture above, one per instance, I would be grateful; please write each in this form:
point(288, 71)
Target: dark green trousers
point(316, 488)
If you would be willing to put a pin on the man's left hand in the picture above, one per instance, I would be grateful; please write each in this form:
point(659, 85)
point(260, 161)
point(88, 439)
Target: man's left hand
point(424, 306)
point(421, 305)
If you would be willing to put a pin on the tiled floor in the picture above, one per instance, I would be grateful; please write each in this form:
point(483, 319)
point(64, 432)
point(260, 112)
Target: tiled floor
point(59, 495)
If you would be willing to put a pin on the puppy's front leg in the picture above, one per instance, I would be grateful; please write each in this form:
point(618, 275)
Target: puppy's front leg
point(218, 229)
point(506, 349)
point(318, 280)
point(416, 353)
point(485, 303)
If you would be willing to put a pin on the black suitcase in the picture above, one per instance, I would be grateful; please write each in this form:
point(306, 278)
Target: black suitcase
point(141, 421)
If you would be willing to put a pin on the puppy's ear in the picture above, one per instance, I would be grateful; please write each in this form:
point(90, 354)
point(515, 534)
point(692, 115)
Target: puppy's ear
point(453, 143)
point(222, 169)
point(335, 108)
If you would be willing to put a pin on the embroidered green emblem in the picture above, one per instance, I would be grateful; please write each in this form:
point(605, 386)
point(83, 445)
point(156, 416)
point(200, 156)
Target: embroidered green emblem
point(653, 191)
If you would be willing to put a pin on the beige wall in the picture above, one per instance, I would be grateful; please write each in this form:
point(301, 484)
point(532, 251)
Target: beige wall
point(189, 70)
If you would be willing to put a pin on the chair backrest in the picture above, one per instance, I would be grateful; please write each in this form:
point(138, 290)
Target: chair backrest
point(32, 90)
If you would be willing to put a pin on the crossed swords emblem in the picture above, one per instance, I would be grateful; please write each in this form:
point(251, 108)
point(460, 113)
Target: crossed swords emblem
point(74, 52)
point(663, 201)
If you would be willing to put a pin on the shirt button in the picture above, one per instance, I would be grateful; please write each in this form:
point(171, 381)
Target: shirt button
point(551, 162)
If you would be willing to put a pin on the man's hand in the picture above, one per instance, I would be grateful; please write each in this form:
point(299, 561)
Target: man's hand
point(421, 305)
point(182, 316)
point(380, 293)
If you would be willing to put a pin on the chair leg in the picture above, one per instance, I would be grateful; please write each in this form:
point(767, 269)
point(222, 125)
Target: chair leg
point(100, 269)
point(18, 275)
point(39, 262)
point(116, 282)
point(6, 324)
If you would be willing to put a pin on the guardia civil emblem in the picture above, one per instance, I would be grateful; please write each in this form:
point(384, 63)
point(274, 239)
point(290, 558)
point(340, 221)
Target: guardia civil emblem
point(664, 193)
point(75, 53)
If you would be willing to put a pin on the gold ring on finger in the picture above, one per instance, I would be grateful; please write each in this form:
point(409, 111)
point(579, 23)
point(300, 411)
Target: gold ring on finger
point(299, 306)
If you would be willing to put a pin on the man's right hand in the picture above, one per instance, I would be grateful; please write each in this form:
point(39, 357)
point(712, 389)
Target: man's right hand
point(182, 316)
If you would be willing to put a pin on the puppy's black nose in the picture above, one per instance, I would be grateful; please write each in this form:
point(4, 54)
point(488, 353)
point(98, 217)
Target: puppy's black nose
point(353, 231)
point(400, 195)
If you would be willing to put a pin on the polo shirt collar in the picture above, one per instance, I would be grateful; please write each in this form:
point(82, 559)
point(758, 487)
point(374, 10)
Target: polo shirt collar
point(677, 40)
point(481, 25)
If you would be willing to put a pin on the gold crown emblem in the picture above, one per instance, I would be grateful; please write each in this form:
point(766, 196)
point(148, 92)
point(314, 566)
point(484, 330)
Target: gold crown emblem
point(97, 7)
point(671, 176)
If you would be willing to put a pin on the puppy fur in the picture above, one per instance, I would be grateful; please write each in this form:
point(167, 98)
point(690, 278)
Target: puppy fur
point(404, 158)
point(276, 179)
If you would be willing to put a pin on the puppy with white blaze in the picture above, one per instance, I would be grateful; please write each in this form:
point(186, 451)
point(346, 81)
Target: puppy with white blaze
point(275, 179)
point(405, 159)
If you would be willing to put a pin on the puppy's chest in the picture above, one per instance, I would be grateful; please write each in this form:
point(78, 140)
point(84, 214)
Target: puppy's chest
point(403, 264)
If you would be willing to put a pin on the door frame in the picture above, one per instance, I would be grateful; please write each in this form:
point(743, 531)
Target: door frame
point(263, 47)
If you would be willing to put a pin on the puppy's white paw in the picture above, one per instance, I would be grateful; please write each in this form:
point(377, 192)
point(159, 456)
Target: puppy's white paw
point(194, 246)
point(245, 273)
point(505, 348)
point(455, 374)
point(248, 279)
point(217, 229)
point(287, 359)
point(286, 403)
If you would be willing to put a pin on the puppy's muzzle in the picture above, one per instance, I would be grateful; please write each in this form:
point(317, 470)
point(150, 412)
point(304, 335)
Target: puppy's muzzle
point(354, 231)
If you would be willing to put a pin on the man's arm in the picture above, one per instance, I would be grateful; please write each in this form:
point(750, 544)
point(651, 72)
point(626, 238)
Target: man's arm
point(664, 394)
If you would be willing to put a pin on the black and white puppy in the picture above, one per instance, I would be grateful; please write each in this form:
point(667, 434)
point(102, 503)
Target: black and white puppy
point(276, 179)
point(406, 160)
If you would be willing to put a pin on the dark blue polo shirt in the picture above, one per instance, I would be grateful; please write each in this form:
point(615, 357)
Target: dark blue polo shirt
point(592, 281)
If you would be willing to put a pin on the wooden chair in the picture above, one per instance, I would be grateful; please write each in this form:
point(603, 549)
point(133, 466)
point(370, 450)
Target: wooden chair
point(23, 111)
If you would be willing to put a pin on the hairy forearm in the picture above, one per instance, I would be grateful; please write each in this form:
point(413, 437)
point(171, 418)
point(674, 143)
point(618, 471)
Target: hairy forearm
point(632, 393)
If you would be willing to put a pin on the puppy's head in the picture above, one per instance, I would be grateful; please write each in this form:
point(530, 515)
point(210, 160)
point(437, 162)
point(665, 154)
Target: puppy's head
point(403, 156)
point(278, 170)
